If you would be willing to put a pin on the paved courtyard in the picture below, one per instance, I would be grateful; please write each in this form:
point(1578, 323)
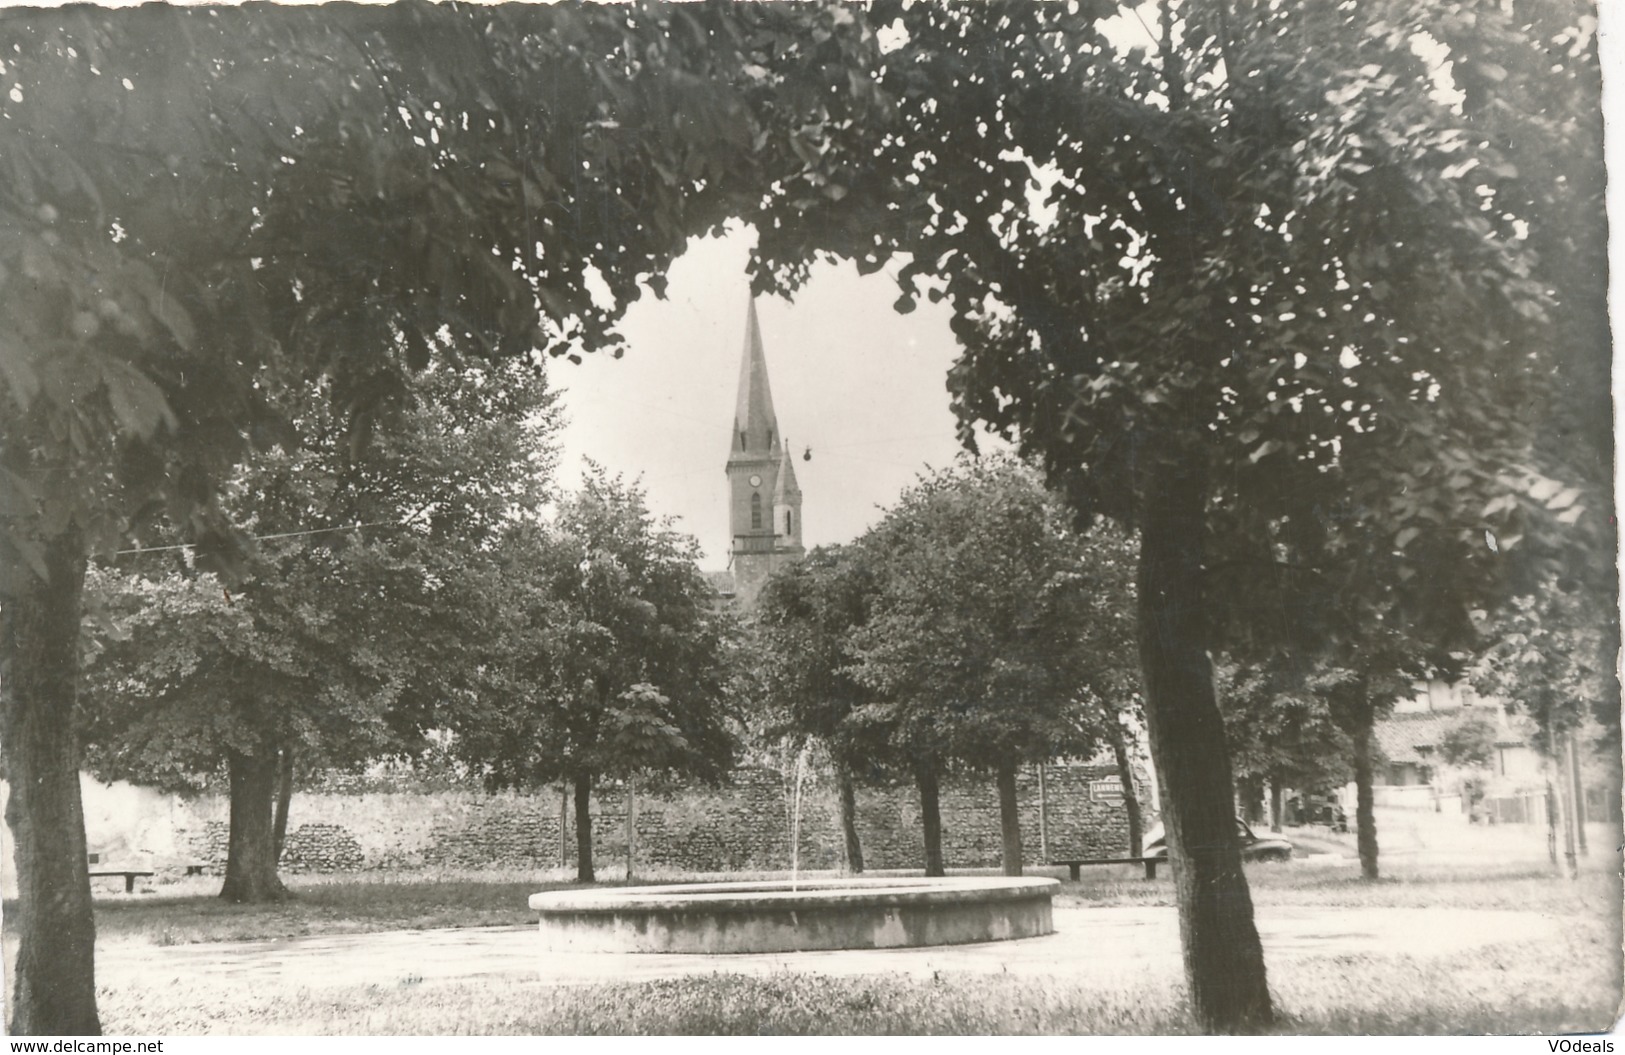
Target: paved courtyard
point(1088, 942)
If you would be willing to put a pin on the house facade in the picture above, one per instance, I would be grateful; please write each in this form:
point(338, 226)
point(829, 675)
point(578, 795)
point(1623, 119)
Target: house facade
point(1411, 772)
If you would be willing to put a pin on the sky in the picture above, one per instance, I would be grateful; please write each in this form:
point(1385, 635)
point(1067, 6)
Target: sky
point(860, 385)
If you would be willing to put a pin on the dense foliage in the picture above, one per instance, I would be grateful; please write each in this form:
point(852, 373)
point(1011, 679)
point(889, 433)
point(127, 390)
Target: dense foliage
point(608, 657)
point(347, 631)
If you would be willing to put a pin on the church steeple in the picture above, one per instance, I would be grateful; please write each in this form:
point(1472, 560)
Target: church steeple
point(756, 427)
point(764, 507)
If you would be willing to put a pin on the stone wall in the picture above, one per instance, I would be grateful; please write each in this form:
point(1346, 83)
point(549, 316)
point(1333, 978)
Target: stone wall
point(744, 825)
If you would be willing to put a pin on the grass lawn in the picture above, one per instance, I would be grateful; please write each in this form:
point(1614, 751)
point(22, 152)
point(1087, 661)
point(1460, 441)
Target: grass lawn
point(1521, 988)
point(337, 904)
point(1567, 985)
point(188, 911)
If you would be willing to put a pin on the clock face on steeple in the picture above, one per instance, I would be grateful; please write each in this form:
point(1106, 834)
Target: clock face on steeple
point(756, 481)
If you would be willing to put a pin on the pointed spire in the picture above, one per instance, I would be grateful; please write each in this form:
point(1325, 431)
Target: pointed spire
point(756, 427)
point(785, 487)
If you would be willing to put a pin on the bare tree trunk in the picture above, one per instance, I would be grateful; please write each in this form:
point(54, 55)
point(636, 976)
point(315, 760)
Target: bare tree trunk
point(1224, 960)
point(584, 873)
point(1579, 795)
point(1551, 823)
point(1043, 812)
point(1365, 818)
point(54, 990)
point(564, 822)
point(1009, 818)
point(1131, 794)
point(251, 857)
point(849, 817)
point(1276, 805)
point(925, 778)
point(631, 828)
point(1565, 806)
point(284, 797)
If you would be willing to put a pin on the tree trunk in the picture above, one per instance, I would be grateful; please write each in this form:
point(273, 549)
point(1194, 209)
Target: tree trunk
point(584, 873)
point(564, 823)
point(1579, 795)
point(251, 854)
point(1131, 794)
point(1275, 804)
point(1565, 806)
point(284, 796)
point(1224, 961)
point(1009, 818)
point(1551, 823)
point(925, 778)
point(1365, 819)
point(1252, 799)
point(54, 990)
point(631, 829)
point(1043, 812)
point(849, 817)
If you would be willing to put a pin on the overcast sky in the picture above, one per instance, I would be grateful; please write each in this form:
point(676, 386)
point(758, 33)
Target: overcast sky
point(864, 387)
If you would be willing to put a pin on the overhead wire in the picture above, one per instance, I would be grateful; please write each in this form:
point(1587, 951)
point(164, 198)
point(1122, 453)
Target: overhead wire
point(276, 535)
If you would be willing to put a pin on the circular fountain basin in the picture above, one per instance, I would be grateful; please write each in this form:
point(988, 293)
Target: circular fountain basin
point(778, 916)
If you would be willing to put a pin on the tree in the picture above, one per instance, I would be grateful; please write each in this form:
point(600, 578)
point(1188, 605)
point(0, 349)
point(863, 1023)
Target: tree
point(1265, 292)
point(1552, 654)
point(804, 620)
point(1280, 734)
point(344, 635)
point(1469, 742)
point(1096, 608)
point(613, 658)
point(971, 640)
point(195, 195)
point(1358, 695)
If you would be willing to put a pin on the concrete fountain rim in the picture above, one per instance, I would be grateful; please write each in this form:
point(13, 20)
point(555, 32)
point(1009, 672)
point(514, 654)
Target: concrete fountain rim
point(811, 893)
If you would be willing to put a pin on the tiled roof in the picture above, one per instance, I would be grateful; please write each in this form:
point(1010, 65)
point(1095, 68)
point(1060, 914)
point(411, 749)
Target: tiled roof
point(1400, 736)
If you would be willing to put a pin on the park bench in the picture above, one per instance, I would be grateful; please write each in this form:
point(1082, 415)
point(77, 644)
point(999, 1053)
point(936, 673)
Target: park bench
point(129, 875)
point(1076, 865)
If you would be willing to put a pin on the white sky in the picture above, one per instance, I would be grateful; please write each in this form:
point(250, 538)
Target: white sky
point(864, 387)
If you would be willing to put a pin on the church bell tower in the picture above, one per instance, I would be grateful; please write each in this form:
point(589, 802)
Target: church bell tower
point(764, 507)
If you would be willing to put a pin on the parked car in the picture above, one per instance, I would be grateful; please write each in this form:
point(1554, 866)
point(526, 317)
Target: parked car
point(1317, 809)
point(1254, 847)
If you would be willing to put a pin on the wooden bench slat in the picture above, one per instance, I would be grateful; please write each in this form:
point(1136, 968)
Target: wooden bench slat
point(1075, 866)
point(129, 875)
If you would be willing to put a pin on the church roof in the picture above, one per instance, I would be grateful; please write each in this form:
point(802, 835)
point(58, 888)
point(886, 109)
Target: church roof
point(753, 412)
